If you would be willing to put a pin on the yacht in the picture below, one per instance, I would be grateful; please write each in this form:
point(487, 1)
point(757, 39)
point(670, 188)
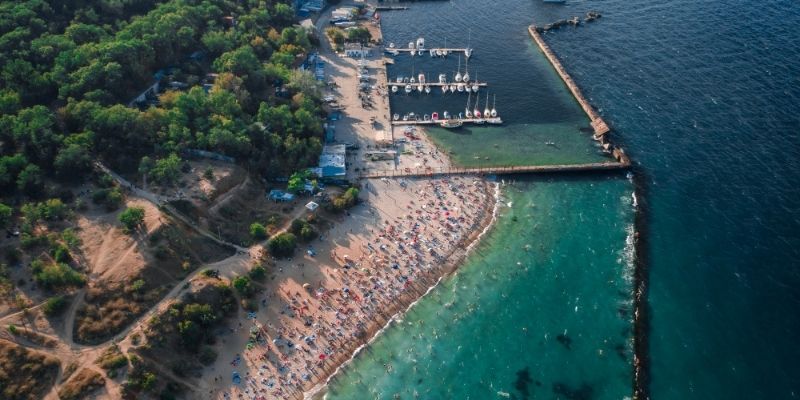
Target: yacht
point(477, 110)
point(394, 88)
point(411, 45)
point(444, 89)
point(467, 111)
point(408, 88)
point(442, 78)
point(452, 88)
point(468, 52)
point(396, 117)
point(465, 78)
point(457, 78)
point(426, 117)
point(486, 112)
point(446, 115)
point(435, 116)
point(421, 43)
point(460, 86)
point(494, 110)
point(399, 79)
point(427, 89)
point(475, 86)
point(420, 88)
point(451, 124)
point(412, 80)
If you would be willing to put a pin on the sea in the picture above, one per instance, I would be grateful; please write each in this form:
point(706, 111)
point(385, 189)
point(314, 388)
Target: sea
point(705, 98)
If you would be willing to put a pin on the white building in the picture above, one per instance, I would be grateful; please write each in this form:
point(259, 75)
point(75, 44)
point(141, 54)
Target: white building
point(355, 50)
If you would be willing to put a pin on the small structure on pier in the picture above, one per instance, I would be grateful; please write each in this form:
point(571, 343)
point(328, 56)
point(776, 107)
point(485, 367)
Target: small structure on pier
point(356, 50)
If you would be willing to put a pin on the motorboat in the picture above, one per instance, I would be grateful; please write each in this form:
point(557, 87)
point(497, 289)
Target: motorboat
point(391, 45)
point(412, 80)
point(396, 117)
point(435, 116)
point(446, 115)
point(445, 89)
point(475, 86)
point(452, 88)
point(468, 52)
point(421, 43)
point(420, 52)
point(426, 117)
point(405, 117)
point(412, 116)
point(495, 121)
point(394, 88)
point(442, 78)
point(427, 89)
point(408, 88)
point(420, 88)
point(451, 124)
point(477, 110)
point(399, 79)
point(432, 52)
point(411, 45)
point(460, 86)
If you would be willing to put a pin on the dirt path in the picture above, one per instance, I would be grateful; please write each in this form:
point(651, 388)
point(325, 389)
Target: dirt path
point(222, 200)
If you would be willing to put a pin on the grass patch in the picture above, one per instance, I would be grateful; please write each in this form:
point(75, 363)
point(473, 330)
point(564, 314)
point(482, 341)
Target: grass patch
point(25, 374)
point(83, 383)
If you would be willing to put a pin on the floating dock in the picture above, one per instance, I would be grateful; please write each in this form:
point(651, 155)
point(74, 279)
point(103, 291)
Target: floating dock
point(427, 51)
point(497, 121)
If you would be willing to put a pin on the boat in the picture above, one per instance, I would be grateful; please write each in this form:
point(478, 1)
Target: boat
point(405, 117)
point(399, 79)
point(408, 88)
point(446, 115)
point(420, 52)
point(412, 116)
point(444, 89)
point(477, 110)
point(435, 116)
point(421, 43)
point(494, 110)
point(426, 117)
point(432, 52)
point(486, 112)
point(457, 78)
point(427, 89)
point(394, 88)
point(412, 80)
point(494, 120)
point(420, 88)
point(442, 78)
point(451, 124)
point(421, 78)
point(411, 45)
point(439, 53)
point(550, 143)
point(465, 78)
point(391, 45)
point(452, 88)
point(460, 86)
point(467, 50)
point(475, 86)
point(467, 111)
point(396, 117)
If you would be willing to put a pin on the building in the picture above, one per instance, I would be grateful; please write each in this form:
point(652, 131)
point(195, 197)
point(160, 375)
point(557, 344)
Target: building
point(332, 161)
point(280, 196)
point(355, 50)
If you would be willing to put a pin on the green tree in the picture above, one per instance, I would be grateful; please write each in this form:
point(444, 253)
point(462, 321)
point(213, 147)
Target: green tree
point(258, 231)
point(72, 163)
point(243, 285)
point(132, 218)
point(167, 170)
point(5, 215)
point(282, 245)
point(30, 181)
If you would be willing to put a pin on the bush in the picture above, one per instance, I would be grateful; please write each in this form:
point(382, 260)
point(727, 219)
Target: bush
point(56, 276)
point(132, 218)
point(282, 245)
point(54, 306)
point(207, 355)
point(258, 231)
point(5, 215)
point(346, 200)
point(258, 273)
point(243, 285)
point(61, 254)
point(303, 230)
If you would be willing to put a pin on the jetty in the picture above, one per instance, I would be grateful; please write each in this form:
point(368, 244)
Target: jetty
point(426, 51)
point(437, 84)
point(498, 170)
point(490, 121)
point(598, 124)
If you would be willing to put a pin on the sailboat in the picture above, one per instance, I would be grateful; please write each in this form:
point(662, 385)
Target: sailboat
point(444, 88)
point(457, 78)
point(468, 51)
point(494, 110)
point(465, 78)
point(408, 88)
point(467, 111)
point(477, 110)
point(486, 112)
point(475, 86)
point(460, 86)
point(394, 88)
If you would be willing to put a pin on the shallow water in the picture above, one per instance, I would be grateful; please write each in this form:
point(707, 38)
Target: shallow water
point(541, 309)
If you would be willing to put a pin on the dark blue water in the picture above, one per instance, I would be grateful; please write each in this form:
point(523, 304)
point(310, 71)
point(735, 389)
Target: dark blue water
point(705, 97)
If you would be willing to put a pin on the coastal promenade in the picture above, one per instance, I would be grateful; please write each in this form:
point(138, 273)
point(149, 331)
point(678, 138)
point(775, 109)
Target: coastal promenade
point(598, 124)
point(623, 164)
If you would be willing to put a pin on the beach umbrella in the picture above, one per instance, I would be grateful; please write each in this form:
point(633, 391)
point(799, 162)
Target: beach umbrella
point(322, 356)
point(306, 285)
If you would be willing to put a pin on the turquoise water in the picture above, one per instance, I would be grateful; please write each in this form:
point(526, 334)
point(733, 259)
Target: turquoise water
point(541, 310)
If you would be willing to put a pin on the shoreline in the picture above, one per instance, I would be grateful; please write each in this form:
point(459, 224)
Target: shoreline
point(453, 262)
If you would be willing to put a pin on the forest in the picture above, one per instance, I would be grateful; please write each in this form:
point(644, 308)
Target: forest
point(70, 70)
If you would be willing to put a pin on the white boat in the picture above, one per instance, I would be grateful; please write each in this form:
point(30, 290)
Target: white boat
point(445, 88)
point(446, 115)
point(495, 121)
point(396, 117)
point(411, 45)
point(439, 53)
point(391, 45)
point(457, 78)
point(467, 111)
point(421, 43)
point(405, 117)
point(420, 52)
point(465, 78)
point(412, 80)
point(432, 52)
point(494, 110)
point(435, 116)
point(420, 88)
point(412, 116)
point(394, 88)
point(486, 111)
point(421, 78)
point(460, 86)
point(399, 79)
point(477, 110)
point(393, 52)
point(442, 78)
point(452, 88)
point(468, 52)
point(426, 117)
point(408, 89)
point(475, 86)
point(427, 89)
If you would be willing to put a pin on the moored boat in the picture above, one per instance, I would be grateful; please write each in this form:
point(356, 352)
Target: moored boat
point(451, 124)
point(435, 116)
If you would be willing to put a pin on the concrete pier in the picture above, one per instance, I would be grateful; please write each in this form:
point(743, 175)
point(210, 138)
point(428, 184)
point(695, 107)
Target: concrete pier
point(523, 169)
point(437, 84)
point(426, 51)
point(598, 124)
point(495, 121)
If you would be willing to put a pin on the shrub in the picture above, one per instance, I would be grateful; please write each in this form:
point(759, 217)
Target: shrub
point(207, 355)
point(243, 286)
point(282, 245)
point(5, 215)
point(303, 230)
point(54, 306)
point(346, 200)
point(57, 275)
point(61, 254)
point(132, 218)
point(258, 273)
point(209, 174)
point(257, 231)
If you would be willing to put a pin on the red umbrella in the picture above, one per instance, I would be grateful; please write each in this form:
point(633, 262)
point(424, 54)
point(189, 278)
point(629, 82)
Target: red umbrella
point(322, 356)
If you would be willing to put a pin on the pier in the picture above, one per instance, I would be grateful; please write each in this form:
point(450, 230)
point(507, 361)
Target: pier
point(437, 84)
point(499, 170)
point(490, 121)
point(598, 124)
point(427, 51)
